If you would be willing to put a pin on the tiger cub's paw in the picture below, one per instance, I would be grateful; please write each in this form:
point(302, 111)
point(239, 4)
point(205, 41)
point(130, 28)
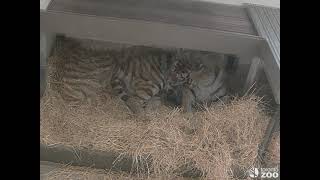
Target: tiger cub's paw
point(135, 105)
point(153, 104)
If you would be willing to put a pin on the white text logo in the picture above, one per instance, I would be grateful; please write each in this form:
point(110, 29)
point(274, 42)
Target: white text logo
point(264, 172)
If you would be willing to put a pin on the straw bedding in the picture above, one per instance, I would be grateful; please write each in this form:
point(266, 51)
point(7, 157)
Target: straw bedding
point(227, 136)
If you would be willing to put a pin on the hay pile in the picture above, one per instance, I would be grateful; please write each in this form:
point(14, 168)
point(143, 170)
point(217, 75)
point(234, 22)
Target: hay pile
point(226, 140)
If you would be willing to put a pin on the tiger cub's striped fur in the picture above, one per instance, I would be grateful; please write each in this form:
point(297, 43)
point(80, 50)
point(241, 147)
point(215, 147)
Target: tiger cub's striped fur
point(80, 73)
point(134, 74)
point(200, 78)
point(139, 76)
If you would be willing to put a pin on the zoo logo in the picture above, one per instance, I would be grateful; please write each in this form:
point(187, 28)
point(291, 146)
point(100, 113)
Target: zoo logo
point(253, 172)
point(265, 172)
point(269, 172)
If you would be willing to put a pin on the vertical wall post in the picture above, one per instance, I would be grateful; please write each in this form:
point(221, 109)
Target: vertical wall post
point(46, 43)
point(253, 74)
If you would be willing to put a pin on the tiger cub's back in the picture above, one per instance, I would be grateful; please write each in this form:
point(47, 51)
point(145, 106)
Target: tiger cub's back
point(139, 75)
point(82, 73)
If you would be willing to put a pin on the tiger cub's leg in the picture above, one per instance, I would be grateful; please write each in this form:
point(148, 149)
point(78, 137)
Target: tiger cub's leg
point(119, 89)
point(146, 98)
point(153, 104)
point(187, 100)
point(171, 97)
point(135, 104)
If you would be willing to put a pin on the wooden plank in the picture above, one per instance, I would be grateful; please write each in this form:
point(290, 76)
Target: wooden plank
point(181, 12)
point(267, 23)
point(272, 70)
point(135, 32)
point(268, 3)
point(253, 73)
point(46, 167)
point(99, 159)
point(44, 4)
point(50, 170)
point(84, 157)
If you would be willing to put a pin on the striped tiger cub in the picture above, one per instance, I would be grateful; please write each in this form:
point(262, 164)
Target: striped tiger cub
point(139, 76)
point(80, 73)
point(200, 77)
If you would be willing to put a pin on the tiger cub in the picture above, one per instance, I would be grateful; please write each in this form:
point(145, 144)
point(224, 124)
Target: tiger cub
point(139, 76)
point(200, 77)
point(78, 74)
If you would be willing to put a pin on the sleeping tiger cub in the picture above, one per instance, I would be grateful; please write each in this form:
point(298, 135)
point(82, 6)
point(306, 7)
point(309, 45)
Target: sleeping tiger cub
point(139, 76)
point(136, 75)
point(200, 78)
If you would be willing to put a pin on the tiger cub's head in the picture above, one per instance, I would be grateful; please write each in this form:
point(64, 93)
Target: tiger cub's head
point(179, 73)
point(181, 69)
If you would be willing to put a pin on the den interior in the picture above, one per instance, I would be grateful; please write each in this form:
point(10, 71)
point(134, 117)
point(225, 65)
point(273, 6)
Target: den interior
point(78, 111)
